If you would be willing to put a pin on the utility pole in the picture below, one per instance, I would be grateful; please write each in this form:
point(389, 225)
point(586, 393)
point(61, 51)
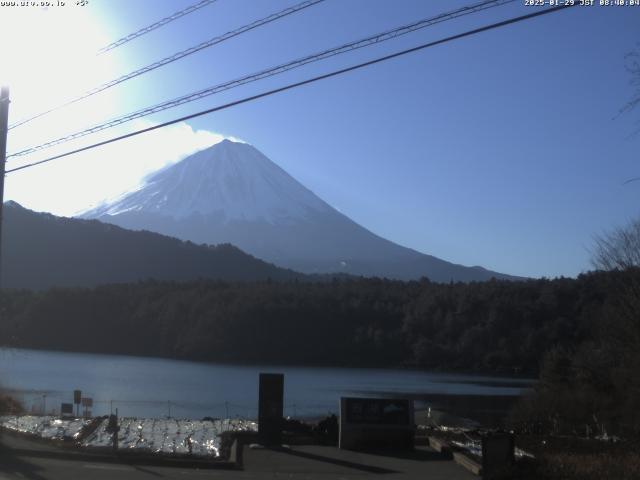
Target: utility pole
point(4, 129)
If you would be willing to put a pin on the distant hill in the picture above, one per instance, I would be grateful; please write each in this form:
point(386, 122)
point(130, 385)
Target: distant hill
point(40, 250)
point(232, 193)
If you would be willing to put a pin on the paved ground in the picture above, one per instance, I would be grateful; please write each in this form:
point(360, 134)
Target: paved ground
point(23, 459)
point(317, 462)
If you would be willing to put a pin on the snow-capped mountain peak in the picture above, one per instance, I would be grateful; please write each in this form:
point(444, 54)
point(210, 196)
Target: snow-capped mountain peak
point(232, 193)
point(229, 179)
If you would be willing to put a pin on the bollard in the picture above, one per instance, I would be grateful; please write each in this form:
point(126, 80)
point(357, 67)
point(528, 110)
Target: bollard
point(498, 454)
point(271, 408)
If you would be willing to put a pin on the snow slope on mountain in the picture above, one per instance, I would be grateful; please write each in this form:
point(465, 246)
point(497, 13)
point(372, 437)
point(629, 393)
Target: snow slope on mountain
point(230, 179)
point(232, 193)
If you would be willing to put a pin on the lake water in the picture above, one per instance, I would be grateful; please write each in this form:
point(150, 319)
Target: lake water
point(154, 387)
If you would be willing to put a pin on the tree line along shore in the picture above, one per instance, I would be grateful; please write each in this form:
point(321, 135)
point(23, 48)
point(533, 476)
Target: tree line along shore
point(575, 334)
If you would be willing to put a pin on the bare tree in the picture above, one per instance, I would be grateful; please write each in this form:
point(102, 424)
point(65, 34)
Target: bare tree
point(618, 329)
point(632, 65)
point(619, 249)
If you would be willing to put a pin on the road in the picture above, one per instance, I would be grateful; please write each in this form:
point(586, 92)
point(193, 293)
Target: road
point(25, 459)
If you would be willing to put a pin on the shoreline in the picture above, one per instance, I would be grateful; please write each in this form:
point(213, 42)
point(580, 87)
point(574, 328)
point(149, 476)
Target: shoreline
point(478, 374)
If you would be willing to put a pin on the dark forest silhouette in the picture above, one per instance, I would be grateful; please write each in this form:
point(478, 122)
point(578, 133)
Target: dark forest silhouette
point(495, 326)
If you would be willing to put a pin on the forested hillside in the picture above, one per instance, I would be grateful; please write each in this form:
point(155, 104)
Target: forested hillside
point(40, 250)
point(495, 326)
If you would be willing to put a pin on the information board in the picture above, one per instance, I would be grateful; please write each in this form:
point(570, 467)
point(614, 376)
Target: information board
point(377, 411)
point(376, 423)
point(66, 410)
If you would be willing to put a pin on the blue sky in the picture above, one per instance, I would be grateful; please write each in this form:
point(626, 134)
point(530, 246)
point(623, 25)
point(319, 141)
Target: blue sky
point(501, 150)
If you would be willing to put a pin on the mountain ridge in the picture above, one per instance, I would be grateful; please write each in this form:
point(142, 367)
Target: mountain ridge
point(232, 193)
point(41, 250)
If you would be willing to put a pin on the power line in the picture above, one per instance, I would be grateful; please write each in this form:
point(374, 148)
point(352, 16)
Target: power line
point(158, 24)
point(303, 82)
point(348, 47)
point(176, 56)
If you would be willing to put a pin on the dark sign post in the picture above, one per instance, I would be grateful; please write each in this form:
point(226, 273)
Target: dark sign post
point(498, 454)
point(66, 410)
point(376, 423)
point(113, 428)
point(271, 408)
point(77, 398)
point(87, 403)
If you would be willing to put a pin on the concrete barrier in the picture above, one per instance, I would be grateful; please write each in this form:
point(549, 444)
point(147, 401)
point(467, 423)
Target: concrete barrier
point(467, 462)
point(439, 445)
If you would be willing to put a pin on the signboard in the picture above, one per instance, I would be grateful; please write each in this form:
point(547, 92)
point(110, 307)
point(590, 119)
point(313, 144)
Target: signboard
point(66, 410)
point(374, 423)
point(271, 408)
point(87, 402)
point(377, 411)
point(77, 395)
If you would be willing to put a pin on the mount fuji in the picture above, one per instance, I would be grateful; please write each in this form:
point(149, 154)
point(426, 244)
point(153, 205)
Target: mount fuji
point(232, 193)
